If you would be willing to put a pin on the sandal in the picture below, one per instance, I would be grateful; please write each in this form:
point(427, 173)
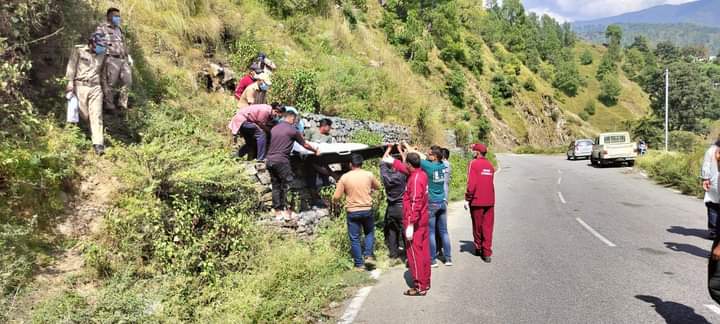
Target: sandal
point(415, 292)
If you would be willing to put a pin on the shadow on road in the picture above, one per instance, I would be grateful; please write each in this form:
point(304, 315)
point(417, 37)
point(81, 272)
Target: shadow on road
point(701, 233)
point(672, 312)
point(467, 247)
point(687, 248)
point(408, 279)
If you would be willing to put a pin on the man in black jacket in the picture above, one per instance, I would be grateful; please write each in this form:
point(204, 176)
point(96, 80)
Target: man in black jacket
point(394, 183)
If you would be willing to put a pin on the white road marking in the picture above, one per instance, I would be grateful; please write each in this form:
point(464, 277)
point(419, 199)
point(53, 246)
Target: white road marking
point(559, 180)
point(562, 198)
point(713, 308)
point(594, 232)
point(375, 274)
point(354, 308)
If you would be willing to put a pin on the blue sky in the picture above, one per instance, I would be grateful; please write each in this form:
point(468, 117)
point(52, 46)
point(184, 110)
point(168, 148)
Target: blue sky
point(575, 10)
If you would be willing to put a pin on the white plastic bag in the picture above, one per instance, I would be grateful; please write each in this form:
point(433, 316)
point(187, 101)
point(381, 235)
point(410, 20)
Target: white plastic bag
point(73, 111)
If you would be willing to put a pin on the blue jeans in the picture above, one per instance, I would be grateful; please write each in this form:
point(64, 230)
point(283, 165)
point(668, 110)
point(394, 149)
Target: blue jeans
point(438, 222)
point(255, 140)
point(357, 222)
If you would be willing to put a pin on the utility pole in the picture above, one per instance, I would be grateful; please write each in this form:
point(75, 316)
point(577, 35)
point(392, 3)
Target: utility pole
point(667, 92)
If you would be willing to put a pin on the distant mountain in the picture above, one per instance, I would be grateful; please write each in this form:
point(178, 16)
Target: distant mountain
point(702, 12)
point(679, 34)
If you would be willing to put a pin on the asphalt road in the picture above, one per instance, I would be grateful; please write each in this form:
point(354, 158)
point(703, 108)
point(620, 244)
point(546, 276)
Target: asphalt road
point(645, 262)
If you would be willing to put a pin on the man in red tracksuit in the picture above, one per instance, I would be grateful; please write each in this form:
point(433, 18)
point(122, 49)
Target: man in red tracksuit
point(480, 195)
point(416, 223)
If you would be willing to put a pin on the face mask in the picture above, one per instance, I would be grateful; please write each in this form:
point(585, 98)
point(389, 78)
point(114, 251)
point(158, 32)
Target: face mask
point(264, 87)
point(99, 50)
point(116, 21)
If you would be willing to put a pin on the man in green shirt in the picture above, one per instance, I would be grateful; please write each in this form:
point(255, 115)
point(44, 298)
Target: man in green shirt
point(322, 133)
point(316, 171)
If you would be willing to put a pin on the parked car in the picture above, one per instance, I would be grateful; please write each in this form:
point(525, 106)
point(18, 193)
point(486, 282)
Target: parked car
point(613, 148)
point(581, 148)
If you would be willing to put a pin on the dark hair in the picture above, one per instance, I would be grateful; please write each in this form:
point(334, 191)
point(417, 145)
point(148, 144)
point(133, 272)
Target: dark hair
point(111, 10)
point(356, 160)
point(437, 152)
point(717, 143)
point(413, 159)
point(434, 147)
point(278, 107)
point(325, 122)
point(446, 153)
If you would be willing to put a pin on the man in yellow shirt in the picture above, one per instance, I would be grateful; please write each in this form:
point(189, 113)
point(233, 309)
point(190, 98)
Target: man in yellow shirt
point(357, 186)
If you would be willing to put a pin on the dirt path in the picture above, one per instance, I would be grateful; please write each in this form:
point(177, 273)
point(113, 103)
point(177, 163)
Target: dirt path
point(84, 215)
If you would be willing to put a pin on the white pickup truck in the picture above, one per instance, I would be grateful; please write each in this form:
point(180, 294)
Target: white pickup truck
point(613, 148)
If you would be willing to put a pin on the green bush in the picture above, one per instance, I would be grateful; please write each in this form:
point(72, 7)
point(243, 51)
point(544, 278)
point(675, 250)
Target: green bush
point(366, 137)
point(502, 87)
point(474, 61)
point(567, 78)
point(456, 84)
point(454, 52)
point(529, 85)
point(186, 208)
point(584, 115)
point(679, 170)
point(590, 107)
point(610, 90)
point(683, 141)
point(297, 88)
point(287, 8)
point(244, 51)
point(69, 307)
point(586, 58)
point(484, 128)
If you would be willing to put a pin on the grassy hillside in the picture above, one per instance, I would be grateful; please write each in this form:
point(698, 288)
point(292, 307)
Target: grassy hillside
point(179, 239)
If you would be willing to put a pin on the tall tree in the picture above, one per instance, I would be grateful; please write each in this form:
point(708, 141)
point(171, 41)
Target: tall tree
point(607, 66)
point(641, 44)
point(667, 52)
point(692, 97)
point(567, 78)
point(613, 34)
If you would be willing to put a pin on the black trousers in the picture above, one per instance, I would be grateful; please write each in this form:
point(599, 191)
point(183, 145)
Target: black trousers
point(393, 228)
point(281, 177)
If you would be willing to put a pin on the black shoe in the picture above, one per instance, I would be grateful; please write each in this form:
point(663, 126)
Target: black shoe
point(478, 253)
point(486, 259)
point(99, 149)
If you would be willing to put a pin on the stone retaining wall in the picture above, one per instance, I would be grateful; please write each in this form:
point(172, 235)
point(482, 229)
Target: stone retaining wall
point(344, 128)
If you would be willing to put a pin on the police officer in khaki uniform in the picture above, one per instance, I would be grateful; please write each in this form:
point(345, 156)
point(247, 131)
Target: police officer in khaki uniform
point(83, 75)
point(117, 72)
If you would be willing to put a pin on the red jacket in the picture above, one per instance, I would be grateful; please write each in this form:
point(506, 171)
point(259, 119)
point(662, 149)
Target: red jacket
point(415, 198)
point(244, 83)
point(480, 187)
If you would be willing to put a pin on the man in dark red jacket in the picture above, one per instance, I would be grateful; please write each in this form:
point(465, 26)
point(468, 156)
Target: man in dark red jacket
point(416, 219)
point(247, 80)
point(480, 195)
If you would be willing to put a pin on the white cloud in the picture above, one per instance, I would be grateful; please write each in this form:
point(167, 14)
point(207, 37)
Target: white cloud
point(545, 11)
point(588, 9)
